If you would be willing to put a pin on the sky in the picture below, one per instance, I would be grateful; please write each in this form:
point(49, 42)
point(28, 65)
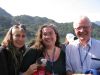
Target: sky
point(59, 10)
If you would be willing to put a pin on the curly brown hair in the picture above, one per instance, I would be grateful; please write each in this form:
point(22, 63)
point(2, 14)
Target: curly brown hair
point(38, 40)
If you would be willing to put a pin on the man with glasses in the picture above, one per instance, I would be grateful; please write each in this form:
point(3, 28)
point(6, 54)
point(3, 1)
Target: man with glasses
point(84, 53)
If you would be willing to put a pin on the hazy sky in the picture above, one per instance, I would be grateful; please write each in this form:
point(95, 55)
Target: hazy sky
point(58, 10)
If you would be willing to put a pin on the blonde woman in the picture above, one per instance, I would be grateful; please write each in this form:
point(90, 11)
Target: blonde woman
point(12, 50)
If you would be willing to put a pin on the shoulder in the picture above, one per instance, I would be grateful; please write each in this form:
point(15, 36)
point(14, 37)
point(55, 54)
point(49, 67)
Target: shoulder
point(62, 51)
point(30, 51)
point(73, 44)
point(72, 47)
point(3, 49)
point(4, 53)
point(30, 56)
point(63, 47)
point(62, 54)
point(95, 41)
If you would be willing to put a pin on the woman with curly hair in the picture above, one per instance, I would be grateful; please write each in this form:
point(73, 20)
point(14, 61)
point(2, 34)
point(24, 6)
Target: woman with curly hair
point(46, 46)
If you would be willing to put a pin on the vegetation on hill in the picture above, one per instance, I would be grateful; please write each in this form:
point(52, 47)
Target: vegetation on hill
point(33, 23)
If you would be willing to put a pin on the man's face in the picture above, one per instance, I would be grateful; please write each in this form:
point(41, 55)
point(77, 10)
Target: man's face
point(83, 30)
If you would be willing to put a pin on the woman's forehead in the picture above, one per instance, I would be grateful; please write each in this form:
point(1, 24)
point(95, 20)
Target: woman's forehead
point(17, 31)
point(47, 29)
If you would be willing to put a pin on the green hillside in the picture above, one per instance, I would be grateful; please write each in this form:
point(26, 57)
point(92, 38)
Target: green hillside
point(33, 23)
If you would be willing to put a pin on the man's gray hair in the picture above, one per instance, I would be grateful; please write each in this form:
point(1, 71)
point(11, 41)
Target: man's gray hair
point(85, 18)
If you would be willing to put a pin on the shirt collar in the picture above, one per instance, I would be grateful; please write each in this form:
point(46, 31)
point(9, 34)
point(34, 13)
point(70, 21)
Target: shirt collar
point(90, 42)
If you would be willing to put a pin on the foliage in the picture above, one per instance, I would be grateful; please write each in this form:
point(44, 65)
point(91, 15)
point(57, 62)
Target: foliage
point(32, 24)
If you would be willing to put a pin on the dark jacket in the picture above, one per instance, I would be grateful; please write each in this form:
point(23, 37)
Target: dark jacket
point(7, 63)
point(3, 63)
point(33, 55)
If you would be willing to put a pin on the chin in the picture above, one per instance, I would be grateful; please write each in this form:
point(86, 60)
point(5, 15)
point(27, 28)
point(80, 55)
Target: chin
point(19, 46)
point(81, 38)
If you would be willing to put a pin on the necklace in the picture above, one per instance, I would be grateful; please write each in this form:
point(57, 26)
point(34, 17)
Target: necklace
point(82, 62)
point(52, 60)
point(85, 57)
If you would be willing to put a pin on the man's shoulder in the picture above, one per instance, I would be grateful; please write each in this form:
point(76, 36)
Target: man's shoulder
point(73, 46)
point(95, 41)
point(74, 43)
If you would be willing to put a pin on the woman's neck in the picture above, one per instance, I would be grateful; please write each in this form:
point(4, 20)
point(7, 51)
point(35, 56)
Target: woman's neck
point(50, 47)
point(50, 53)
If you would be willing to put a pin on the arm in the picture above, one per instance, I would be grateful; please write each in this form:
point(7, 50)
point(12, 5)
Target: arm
point(68, 63)
point(69, 73)
point(3, 63)
point(31, 69)
point(28, 63)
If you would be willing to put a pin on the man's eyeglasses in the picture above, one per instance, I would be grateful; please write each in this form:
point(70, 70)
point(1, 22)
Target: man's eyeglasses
point(82, 27)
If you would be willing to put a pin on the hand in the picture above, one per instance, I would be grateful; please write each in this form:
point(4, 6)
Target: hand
point(31, 69)
point(82, 74)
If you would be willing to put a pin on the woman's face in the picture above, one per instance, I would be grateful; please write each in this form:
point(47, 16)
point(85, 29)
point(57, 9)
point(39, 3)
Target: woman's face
point(18, 38)
point(48, 36)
